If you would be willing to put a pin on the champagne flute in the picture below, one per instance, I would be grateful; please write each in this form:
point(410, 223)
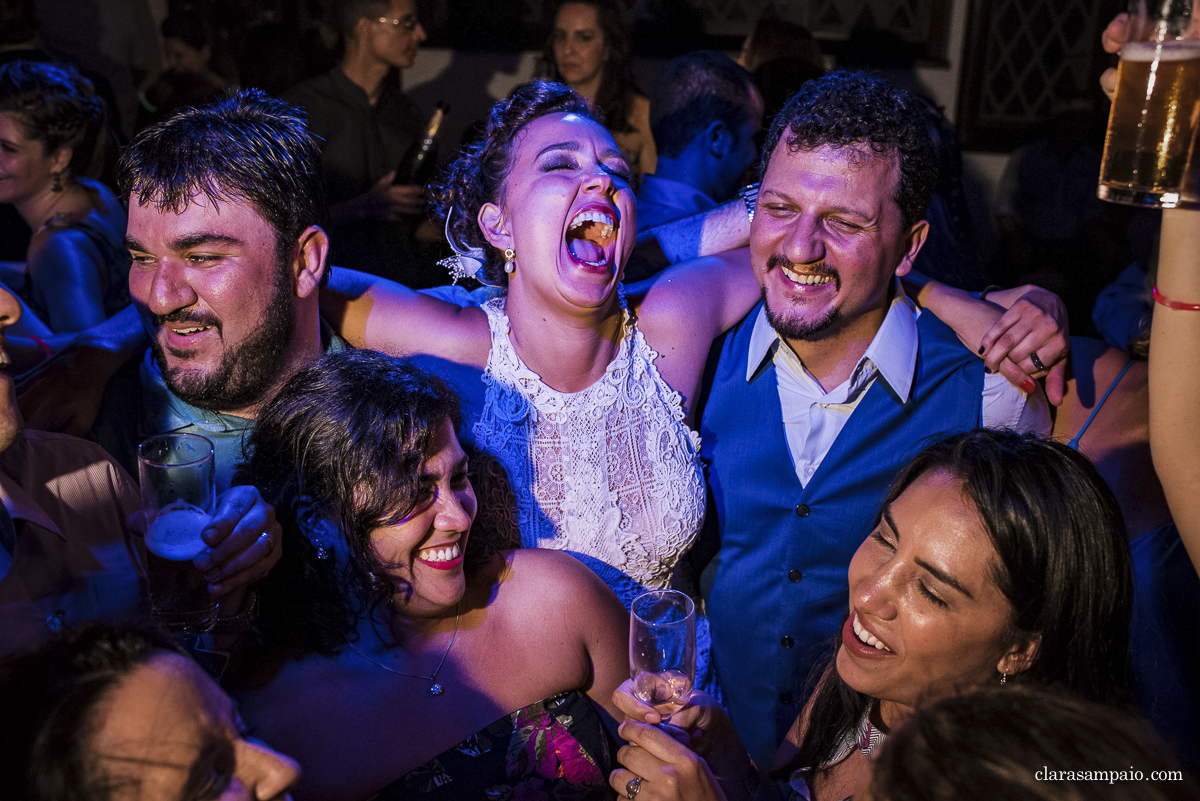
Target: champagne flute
point(662, 649)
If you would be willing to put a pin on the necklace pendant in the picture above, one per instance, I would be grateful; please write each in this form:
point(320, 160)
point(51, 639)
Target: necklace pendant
point(436, 689)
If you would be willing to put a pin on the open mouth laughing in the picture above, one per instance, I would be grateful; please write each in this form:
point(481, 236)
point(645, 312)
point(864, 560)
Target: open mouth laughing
point(590, 236)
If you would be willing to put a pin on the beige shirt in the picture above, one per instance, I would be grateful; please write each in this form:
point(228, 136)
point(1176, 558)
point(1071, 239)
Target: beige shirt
point(69, 501)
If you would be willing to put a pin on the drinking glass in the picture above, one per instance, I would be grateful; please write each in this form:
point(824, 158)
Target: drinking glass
point(1153, 120)
point(178, 496)
point(662, 649)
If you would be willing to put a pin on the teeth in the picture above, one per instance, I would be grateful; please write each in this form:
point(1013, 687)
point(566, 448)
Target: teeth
point(189, 331)
point(808, 279)
point(594, 215)
point(866, 636)
point(440, 554)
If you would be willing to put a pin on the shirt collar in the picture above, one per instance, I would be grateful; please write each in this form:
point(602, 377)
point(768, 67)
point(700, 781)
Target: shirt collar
point(21, 506)
point(893, 350)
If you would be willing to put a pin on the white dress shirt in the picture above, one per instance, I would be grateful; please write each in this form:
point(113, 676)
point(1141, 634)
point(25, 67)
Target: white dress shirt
point(812, 417)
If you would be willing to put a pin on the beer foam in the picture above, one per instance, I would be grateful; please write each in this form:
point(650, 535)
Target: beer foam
point(1181, 50)
point(175, 532)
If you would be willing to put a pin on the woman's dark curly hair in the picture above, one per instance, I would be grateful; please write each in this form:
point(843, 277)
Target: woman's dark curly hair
point(57, 107)
point(478, 175)
point(618, 87)
point(848, 109)
point(338, 453)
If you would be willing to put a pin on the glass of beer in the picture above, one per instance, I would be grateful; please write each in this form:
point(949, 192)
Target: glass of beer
point(662, 649)
point(178, 496)
point(1153, 120)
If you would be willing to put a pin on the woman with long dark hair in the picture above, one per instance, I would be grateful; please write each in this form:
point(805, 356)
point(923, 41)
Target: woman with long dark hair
point(402, 652)
point(998, 558)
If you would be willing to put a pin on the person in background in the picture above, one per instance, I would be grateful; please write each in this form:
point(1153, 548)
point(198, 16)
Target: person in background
point(704, 113)
point(51, 130)
point(106, 712)
point(589, 51)
point(188, 79)
point(367, 124)
point(782, 55)
point(775, 38)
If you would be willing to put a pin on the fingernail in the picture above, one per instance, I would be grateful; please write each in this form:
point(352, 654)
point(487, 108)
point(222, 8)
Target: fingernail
point(987, 369)
point(1028, 386)
point(203, 560)
point(215, 589)
point(981, 350)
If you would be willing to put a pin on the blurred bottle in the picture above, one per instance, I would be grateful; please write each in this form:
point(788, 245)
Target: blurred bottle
point(420, 160)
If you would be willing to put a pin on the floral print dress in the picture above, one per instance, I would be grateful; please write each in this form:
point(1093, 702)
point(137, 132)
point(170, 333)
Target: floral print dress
point(550, 750)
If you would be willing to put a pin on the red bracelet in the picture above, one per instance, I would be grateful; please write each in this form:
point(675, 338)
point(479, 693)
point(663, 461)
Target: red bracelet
point(1172, 304)
point(46, 352)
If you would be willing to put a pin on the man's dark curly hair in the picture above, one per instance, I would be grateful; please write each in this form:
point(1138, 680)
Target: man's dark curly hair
point(852, 109)
point(477, 176)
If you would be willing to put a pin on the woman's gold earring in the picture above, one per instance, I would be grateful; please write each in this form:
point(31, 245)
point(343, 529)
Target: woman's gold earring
point(509, 264)
point(1004, 678)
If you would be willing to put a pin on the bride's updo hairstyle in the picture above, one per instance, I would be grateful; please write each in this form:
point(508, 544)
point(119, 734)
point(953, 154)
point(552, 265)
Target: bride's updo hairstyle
point(479, 173)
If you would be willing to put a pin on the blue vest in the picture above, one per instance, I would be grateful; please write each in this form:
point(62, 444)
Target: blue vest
point(780, 589)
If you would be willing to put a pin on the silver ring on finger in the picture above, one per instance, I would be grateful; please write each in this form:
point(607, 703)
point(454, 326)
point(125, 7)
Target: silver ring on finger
point(633, 788)
point(265, 538)
point(1037, 363)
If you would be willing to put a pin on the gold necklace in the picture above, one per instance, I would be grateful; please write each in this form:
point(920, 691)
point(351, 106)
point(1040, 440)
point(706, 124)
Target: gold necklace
point(434, 687)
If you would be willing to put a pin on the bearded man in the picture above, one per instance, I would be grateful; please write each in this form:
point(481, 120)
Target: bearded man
point(225, 207)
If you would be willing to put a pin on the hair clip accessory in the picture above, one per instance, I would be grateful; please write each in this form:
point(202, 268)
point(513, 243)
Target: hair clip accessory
point(466, 262)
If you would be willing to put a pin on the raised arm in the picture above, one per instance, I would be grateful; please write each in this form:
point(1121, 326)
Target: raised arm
point(373, 312)
point(727, 227)
point(1175, 373)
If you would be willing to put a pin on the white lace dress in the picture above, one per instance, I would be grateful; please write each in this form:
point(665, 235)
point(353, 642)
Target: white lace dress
point(610, 474)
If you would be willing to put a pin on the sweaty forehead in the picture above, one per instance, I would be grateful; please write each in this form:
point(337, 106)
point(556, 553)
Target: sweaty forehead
point(863, 172)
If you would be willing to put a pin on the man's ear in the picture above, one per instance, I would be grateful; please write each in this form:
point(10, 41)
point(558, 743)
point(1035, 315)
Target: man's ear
point(719, 139)
point(494, 225)
point(1020, 657)
point(913, 242)
point(308, 263)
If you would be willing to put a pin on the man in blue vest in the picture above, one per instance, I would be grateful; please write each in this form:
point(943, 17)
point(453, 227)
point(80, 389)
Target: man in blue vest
point(827, 387)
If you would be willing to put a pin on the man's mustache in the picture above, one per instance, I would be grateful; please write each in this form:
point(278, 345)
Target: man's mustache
point(818, 268)
point(197, 318)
